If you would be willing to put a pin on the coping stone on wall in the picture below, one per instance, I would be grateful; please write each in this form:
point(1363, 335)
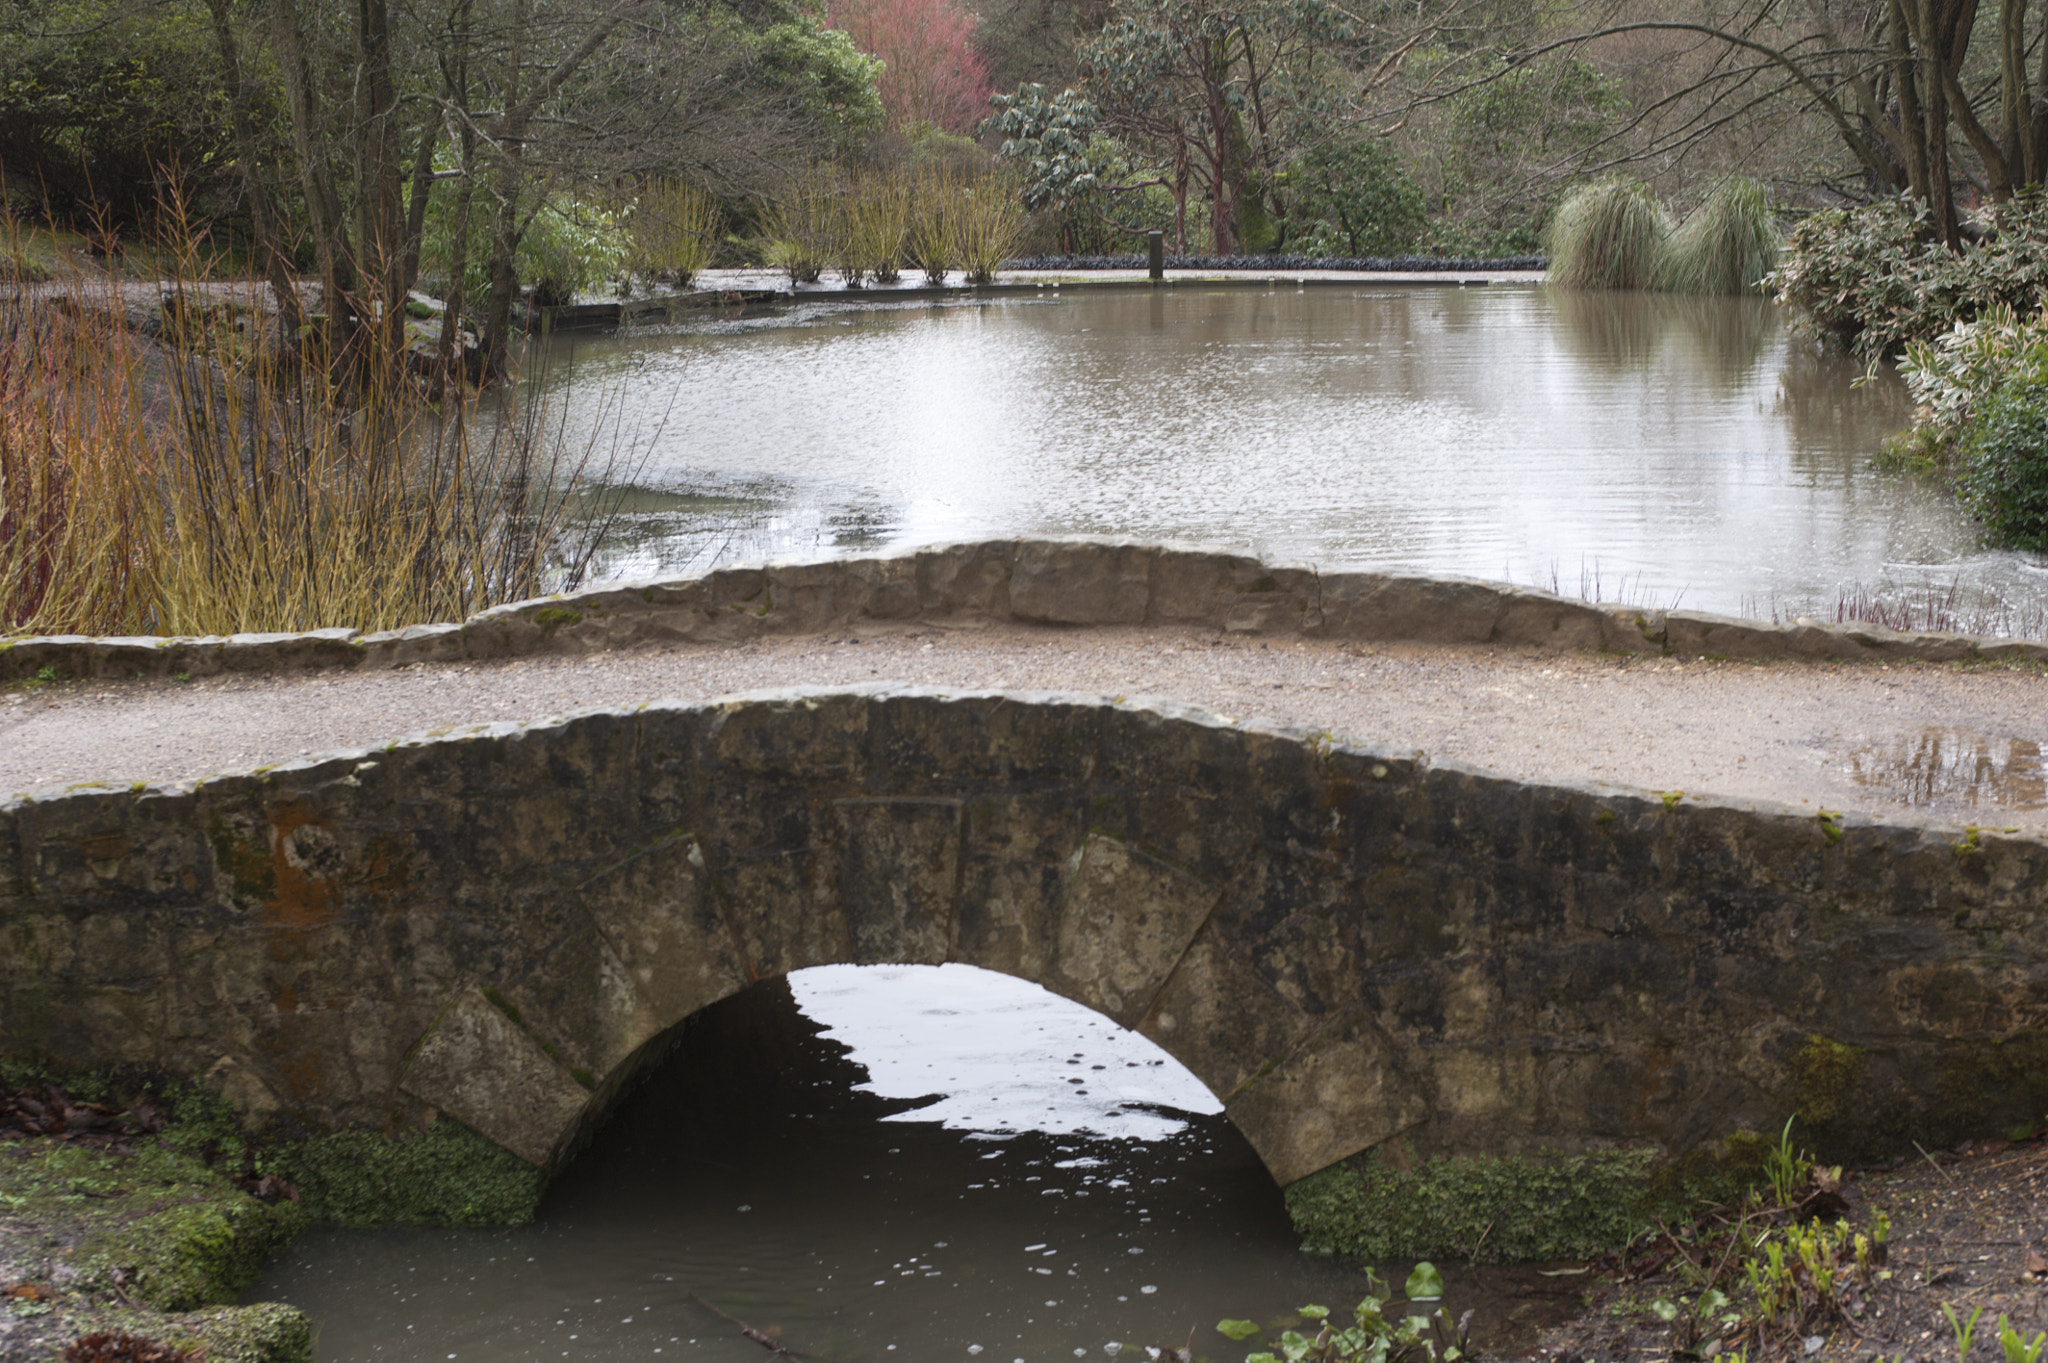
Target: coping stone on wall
point(1077, 582)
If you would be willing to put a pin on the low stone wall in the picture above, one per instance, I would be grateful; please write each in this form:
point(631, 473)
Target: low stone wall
point(1346, 945)
point(1037, 582)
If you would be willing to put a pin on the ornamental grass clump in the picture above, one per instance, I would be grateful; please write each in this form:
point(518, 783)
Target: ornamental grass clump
point(1725, 246)
point(988, 223)
point(874, 220)
point(929, 244)
point(1608, 235)
point(803, 225)
point(218, 480)
point(672, 229)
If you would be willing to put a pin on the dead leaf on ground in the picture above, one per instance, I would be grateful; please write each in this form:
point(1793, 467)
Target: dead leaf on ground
point(111, 1348)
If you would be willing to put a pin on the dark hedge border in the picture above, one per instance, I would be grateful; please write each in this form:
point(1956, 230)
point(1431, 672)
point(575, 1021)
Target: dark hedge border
point(1358, 264)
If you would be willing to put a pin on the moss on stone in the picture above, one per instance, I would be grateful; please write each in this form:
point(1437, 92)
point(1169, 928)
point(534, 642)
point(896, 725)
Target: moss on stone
point(172, 1232)
point(551, 618)
point(445, 1176)
point(1479, 1208)
point(1823, 1072)
point(267, 1332)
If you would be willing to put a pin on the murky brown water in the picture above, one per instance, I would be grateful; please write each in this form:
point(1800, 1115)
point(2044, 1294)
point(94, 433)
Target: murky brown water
point(1662, 449)
point(750, 1182)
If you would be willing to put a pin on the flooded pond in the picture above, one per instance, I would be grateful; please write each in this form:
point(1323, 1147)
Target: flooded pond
point(1631, 446)
point(962, 1166)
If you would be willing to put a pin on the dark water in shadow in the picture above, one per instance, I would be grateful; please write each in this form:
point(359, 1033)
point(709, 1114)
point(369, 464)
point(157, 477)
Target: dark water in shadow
point(749, 1181)
point(1669, 449)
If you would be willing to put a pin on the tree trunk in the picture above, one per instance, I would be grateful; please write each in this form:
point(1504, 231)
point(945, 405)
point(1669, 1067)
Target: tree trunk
point(263, 215)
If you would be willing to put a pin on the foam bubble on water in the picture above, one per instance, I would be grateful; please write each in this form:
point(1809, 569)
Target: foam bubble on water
point(988, 1044)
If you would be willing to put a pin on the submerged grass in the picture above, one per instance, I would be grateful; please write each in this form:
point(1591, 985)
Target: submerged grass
point(1608, 235)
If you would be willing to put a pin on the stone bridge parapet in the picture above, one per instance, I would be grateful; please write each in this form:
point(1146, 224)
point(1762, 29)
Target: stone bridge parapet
point(1064, 582)
point(1346, 945)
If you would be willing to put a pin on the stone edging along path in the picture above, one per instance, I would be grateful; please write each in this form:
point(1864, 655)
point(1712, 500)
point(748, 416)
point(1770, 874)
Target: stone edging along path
point(1075, 582)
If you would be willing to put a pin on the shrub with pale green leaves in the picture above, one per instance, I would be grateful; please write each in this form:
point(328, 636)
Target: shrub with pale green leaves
point(1877, 278)
point(1982, 389)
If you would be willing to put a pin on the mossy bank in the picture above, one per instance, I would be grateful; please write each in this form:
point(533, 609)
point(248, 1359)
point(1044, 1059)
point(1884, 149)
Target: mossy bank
point(152, 1222)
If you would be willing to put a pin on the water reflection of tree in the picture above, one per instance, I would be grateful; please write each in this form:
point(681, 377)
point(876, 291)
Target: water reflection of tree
point(1722, 340)
point(1941, 766)
point(1829, 401)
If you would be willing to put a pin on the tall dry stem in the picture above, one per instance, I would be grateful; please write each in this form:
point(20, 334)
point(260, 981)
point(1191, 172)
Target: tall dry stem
point(929, 242)
point(254, 494)
point(71, 525)
point(803, 225)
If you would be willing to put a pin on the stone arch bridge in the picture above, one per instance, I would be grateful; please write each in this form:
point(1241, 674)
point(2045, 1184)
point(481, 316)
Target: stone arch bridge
point(1346, 945)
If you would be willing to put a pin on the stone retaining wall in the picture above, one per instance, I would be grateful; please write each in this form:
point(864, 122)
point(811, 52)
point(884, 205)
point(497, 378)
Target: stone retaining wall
point(1346, 945)
point(1038, 582)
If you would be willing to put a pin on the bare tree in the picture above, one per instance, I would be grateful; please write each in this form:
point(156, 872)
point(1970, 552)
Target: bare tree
point(1896, 82)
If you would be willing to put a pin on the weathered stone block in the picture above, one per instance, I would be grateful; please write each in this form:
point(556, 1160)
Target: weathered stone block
point(1128, 918)
point(481, 1068)
point(413, 644)
point(1220, 1019)
point(1019, 850)
point(582, 1003)
point(1341, 1092)
point(1421, 609)
point(1080, 582)
point(900, 872)
point(966, 580)
point(313, 649)
point(658, 912)
point(1549, 621)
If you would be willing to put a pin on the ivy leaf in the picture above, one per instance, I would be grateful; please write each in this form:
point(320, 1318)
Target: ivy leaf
point(1424, 1283)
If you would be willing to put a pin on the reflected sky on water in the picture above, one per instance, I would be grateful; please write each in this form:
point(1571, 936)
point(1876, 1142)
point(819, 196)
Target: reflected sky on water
point(1662, 449)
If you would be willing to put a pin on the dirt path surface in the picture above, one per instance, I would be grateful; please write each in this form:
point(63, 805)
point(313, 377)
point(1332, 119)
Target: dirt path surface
point(1968, 1235)
point(1921, 743)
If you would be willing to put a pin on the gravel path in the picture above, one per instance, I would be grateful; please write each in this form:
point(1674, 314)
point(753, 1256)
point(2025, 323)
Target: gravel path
point(1900, 742)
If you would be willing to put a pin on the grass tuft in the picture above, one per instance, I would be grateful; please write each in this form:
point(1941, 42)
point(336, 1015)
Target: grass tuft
point(219, 479)
point(1726, 246)
point(1608, 235)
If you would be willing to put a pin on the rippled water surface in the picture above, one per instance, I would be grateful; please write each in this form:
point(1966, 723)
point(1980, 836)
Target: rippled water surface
point(989, 1173)
point(1661, 448)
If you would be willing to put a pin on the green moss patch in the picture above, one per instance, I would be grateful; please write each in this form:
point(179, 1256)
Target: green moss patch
point(154, 1223)
point(1478, 1208)
point(445, 1176)
point(158, 1224)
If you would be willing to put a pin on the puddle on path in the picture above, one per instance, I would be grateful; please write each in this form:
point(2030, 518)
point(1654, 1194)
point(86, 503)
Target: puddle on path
point(802, 1178)
point(1954, 767)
